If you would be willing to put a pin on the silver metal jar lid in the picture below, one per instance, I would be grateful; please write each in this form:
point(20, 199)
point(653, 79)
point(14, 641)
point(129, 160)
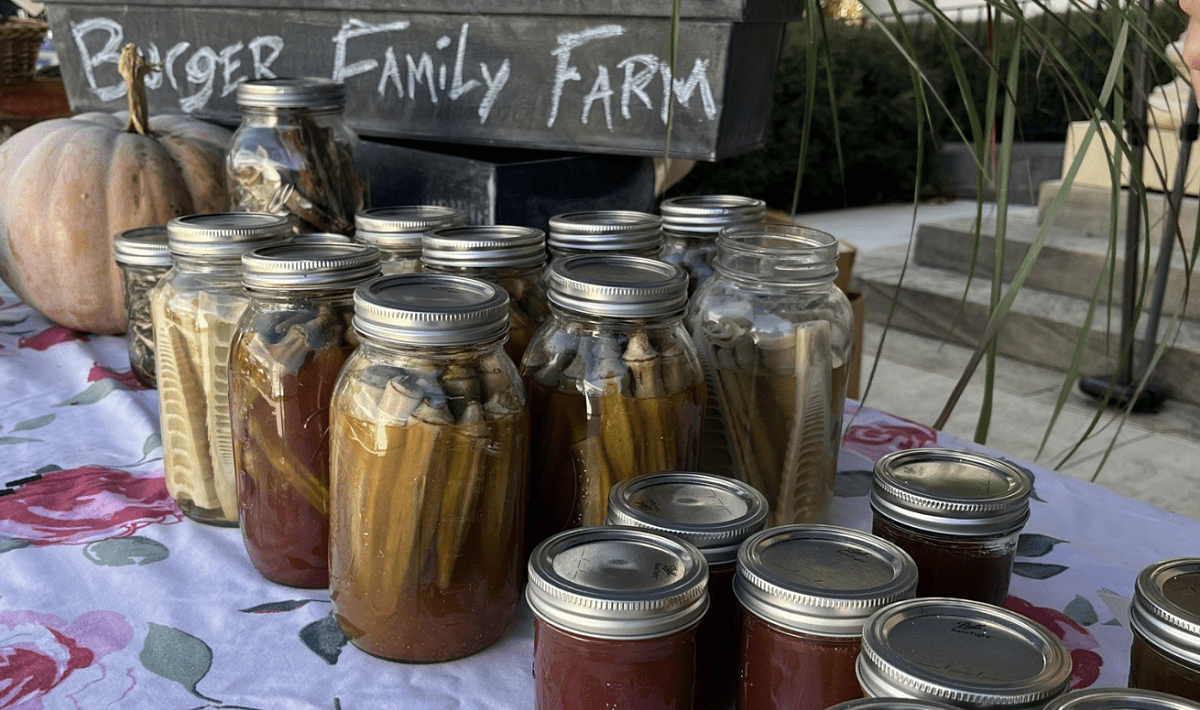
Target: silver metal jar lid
point(617, 582)
point(400, 228)
point(431, 309)
point(226, 235)
point(891, 704)
point(1166, 607)
point(714, 513)
point(304, 92)
point(309, 266)
point(821, 579)
point(321, 238)
point(777, 253)
point(1119, 699)
point(706, 215)
point(145, 246)
point(604, 231)
point(484, 247)
point(617, 286)
point(948, 492)
point(965, 653)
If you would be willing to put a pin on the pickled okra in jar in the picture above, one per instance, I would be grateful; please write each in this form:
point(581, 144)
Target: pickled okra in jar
point(775, 335)
point(615, 386)
point(429, 451)
point(196, 307)
point(143, 257)
point(289, 349)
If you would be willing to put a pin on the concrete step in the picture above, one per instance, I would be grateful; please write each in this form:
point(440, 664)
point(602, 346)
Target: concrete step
point(1043, 327)
point(1070, 262)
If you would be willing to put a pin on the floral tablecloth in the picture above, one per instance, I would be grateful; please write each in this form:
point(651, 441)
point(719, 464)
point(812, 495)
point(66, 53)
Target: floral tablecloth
point(110, 598)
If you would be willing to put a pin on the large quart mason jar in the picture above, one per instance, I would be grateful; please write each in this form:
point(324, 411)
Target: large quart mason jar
point(196, 307)
point(290, 346)
point(294, 154)
point(615, 386)
point(429, 451)
point(775, 335)
point(691, 223)
point(397, 231)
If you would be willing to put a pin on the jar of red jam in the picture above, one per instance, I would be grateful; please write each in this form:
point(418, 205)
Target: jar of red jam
point(805, 592)
point(961, 652)
point(958, 514)
point(615, 616)
point(715, 514)
point(1165, 618)
point(1122, 698)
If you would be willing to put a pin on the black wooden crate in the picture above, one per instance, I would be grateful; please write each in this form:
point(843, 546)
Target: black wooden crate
point(547, 74)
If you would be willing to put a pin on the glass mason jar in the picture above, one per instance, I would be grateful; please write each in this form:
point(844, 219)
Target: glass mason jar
point(290, 345)
point(396, 232)
point(961, 652)
point(143, 257)
point(690, 226)
point(776, 336)
point(429, 449)
point(196, 307)
point(604, 232)
point(958, 514)
point(510, 257)
point(294, 154)
point(615, 612)
point(615, 387)
point(1165, 619)
point(715, 514)
point(806, 591)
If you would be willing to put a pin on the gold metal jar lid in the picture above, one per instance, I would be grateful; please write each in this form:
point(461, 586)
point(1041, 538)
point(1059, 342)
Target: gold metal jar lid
point(611, 581)
point(1166, 607)
point(948, 492)
point(714, 513)
point(965, 653)
point(821, 580)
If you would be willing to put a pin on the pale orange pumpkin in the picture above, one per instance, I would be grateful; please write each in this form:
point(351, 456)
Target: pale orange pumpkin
point(68, 185)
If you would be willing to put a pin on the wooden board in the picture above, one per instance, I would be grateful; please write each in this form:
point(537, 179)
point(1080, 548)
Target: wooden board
point(563, 82)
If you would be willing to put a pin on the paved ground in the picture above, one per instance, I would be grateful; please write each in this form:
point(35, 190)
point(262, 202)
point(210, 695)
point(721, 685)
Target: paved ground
point(1150, 457)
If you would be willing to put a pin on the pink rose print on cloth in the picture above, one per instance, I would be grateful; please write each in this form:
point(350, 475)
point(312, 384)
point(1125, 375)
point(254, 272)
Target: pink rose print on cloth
point(1079, 642)
point(84, 505)
point(51, 336)
point(42, 654)
point(123, 377)
point(874, 439)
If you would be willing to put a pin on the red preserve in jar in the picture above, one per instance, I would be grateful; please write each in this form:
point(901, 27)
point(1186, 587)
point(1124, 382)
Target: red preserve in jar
point(965, 653)
point(958, 514)
point(806, 591)
point(615, 617)
point(716, 514)
point(1165, 618)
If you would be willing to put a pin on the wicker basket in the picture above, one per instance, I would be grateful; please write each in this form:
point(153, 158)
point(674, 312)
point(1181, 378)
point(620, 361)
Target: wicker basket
point(20, 40)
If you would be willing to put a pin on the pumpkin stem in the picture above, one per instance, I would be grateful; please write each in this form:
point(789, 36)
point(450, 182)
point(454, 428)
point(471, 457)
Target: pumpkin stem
point(133, 69)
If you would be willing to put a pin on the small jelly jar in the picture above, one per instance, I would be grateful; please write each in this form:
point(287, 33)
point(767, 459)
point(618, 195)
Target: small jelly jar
point(715, 514)
point(961, 652)
point(958, 514)
point(1123, 698)
point(691, 224)
point(806, 591)
point(1165, 618)
point(143, 257)
point(397, 231)
point(615, 616)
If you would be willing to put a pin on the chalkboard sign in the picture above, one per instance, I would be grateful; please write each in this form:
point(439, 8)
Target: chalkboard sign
point(567, 81)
